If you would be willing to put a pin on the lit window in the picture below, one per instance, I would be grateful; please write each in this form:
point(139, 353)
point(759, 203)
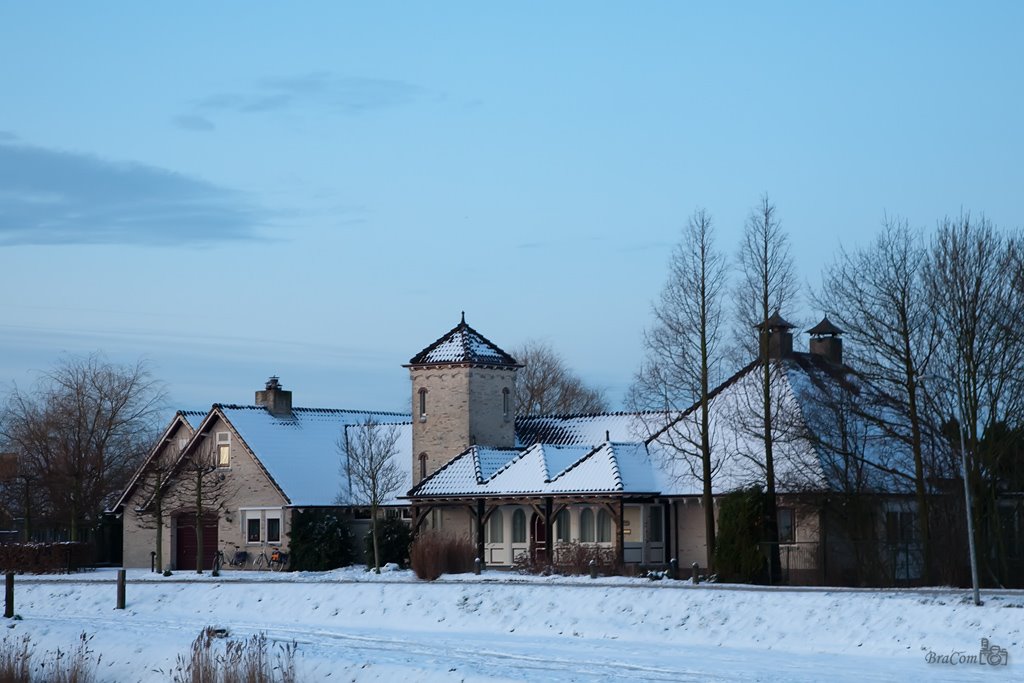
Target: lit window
point(273, 529)
point(587, 525)
point(519, 527)
point(562, 527)
point(604, 527)
point(223, 449)
point(787, 531)
point(496, 528)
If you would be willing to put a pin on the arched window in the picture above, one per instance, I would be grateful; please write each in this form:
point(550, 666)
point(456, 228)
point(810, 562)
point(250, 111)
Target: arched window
point(587, 525)
point(423, 465)
point(496, 528)
point(506, 403)
point(423, 404)
point(604, 527)
point(562, 527)
point(519, 526)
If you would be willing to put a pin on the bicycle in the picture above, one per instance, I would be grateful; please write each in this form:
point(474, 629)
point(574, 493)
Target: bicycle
point(261, 561)
point(278, 560)
point(238, 559)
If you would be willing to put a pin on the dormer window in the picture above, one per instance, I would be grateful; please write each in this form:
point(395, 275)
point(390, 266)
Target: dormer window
point(506, 403)
point(423, 405)
point(223, 449)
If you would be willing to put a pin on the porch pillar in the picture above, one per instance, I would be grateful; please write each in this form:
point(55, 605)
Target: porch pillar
point(549, 524)
point(622, 533)
point(669, 531)
point(480, 532)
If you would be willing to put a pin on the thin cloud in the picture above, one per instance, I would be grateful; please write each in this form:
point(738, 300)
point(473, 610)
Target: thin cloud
point(193, 122)
point(347, 94)
point(6, 136)
point(56, 197)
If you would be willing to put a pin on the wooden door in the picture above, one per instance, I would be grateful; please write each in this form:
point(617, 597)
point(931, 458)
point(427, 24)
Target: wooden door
point(185, 536)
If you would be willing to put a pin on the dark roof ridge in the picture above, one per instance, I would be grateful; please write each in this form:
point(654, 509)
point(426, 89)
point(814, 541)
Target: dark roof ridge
point(610, 413)
point(237, 406)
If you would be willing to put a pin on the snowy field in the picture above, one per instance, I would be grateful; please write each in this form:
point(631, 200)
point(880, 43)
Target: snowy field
point(354, 626)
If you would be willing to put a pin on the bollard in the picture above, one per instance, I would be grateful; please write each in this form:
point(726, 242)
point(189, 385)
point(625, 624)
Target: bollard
point(120, 588)
point(476, 566)
point(673, 569)
point(696, 573)
point(593, 569)
point(152, 560)
point(9, 596)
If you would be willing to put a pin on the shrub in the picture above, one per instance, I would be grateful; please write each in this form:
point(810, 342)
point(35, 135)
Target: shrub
point(738, 556)
point(573, 559)
point(45, 558)
point(242, 661)
point(320, 539)
point(433, 554)
point(395, 537)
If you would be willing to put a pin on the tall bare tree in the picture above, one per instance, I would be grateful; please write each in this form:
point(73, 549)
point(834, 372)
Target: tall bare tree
point(83, 429)
point(878, 295)
point(370, 471)
point(198, 485)
point(970, 279)
point(546, 385)
point(682, 352)
point(767, 284)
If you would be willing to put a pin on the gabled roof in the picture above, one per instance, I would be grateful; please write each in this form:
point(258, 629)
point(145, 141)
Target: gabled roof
point(189, 419)
point(463, 345)
point(300, 452)
point(590, 429)
point(544, 469)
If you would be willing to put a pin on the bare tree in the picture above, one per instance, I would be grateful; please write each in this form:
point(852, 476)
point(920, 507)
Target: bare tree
point(767, 284)
point(683, 351)
point(83, 429)
point(878, 295)
point(195, 483)
point(546, 385)
point(971, 284)
point(370, 469)
point(152, 492)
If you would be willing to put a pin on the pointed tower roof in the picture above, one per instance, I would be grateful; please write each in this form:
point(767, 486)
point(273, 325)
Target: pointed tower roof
point(776, 322)
point(825, 327)
point(463, 345)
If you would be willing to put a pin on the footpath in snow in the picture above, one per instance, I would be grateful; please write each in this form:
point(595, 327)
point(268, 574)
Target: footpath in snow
point(355, 626)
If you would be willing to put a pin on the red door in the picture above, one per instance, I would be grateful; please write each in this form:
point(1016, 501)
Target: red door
point(185, 556)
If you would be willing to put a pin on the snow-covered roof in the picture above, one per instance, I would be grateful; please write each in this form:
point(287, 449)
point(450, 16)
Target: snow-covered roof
point(544, 469)
point(590, 429)
point(463, 344)
point(193, 417)
point(301, 451)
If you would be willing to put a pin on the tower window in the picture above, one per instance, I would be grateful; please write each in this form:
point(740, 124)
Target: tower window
point(423, 405)
point(505, 403)
point(423, 465)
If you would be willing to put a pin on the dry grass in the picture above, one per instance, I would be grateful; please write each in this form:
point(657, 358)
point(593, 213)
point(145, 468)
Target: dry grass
point(241, 661)
point(433, 554)
point(72, 666)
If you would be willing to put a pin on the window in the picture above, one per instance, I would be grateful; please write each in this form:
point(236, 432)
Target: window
point(423, 466)
point(273, 529)
point(506, 407)
point(604, 527)
point(252, 530)
point(562, 527)
point(587, 525)
point(496, 528)
point(223, 449)
point(655, 524)
point(787, 527)
point(436, 519)
point(899, 526)
point(423, 405)
point(519, 527)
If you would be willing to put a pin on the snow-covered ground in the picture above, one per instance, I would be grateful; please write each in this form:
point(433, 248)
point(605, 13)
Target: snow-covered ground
point(353, 626)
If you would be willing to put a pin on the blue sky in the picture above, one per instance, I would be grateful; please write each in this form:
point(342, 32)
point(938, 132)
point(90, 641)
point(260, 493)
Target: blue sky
point(317, 190)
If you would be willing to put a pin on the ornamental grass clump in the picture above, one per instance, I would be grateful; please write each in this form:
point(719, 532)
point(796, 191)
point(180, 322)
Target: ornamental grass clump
point(433, 554)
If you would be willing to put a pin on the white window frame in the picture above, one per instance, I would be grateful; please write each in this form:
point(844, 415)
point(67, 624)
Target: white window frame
point(261, 515)
point(224, 449)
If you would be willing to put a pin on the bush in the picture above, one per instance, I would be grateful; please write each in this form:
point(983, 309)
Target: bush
point(242, 661)
point(433, 554)
point(738, 555)
point(573, 559)
point(320, 539)
point(45, 558)
point(395, 537)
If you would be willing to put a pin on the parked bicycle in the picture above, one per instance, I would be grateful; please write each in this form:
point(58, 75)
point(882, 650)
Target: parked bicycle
point(278, 560)
point(236, 559)
point(262, 561)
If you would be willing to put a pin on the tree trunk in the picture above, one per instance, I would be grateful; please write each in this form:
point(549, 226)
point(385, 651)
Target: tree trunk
point(376, 539)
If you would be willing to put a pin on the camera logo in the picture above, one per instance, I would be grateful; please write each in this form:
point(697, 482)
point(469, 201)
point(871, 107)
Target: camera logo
point(988, 655)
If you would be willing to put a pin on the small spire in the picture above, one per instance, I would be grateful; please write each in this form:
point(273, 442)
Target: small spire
point(463, 318)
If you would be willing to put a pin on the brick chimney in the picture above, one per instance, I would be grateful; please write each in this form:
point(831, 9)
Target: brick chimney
point(778, 342)
point(275, 399)
point(825, 341)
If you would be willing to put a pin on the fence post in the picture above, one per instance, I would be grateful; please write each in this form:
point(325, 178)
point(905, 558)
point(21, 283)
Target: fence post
point(9, 596)
point(696, 573)
point(673, 568)
point(120, 588)
point(593, 569)
point(476, 566)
